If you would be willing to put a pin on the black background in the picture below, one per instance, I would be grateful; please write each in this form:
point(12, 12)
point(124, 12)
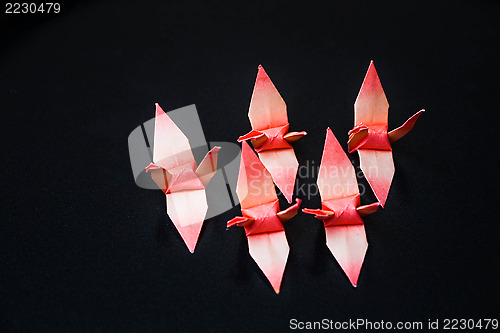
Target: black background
point(84, 249)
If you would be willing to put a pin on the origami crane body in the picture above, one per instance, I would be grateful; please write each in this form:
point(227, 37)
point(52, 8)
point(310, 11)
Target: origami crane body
point(341, 211)
point(370, 138)
point(263, 223)
point(269, 136)
point(174, 171)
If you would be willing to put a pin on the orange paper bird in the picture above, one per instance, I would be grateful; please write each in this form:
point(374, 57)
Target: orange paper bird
point(269, 136)
point(174, 171)
point(341, 211)
point(369, 135)
point(263, 223)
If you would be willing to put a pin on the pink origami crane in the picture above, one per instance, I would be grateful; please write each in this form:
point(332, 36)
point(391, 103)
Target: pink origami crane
point(370, 138)
point(263, 223)
point(174, 171)
point(269, 136)
point(341, 211)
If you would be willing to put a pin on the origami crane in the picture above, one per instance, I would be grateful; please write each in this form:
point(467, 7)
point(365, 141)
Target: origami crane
point(263, 223)
point(341, 211)
point(269, 136)
point(174, 171)
point(370, 138)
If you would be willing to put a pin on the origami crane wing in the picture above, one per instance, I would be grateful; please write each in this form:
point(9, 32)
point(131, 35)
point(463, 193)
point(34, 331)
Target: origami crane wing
point(336, 177)
point(269, 136)
point(378, 168)
point(267, 107)
point(371, 106)
point(263, 223)
point(171, 147)
point(370, 138)
point(341, 213)
point(255, 186)
point(173, 170)
point(348, 245)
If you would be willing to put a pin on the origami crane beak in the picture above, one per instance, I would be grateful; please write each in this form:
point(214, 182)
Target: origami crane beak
point(357, 137)
point(160, 176)
point(320, 214)
point(239, 221)
point(290, 212)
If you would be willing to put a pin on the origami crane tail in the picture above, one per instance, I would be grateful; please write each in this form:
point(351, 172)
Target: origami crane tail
point(294, 136)
point(187, 210)
point(402, 130)
point(282, 165)
point(367, 209)
point(348, 245)
point(378, 168)
point(270, 252)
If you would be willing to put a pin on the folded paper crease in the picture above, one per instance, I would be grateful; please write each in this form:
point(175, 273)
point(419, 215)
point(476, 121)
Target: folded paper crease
point(370, 137)
point(174, 171)
point(341, 212)
point(269, 135)
point(262, 220)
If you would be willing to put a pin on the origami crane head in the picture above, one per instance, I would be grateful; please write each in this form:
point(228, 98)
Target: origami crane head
point(370, 137)
point(174, 171)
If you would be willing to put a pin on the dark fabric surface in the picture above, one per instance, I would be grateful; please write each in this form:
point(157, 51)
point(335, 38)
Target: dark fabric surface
point(84, 249)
